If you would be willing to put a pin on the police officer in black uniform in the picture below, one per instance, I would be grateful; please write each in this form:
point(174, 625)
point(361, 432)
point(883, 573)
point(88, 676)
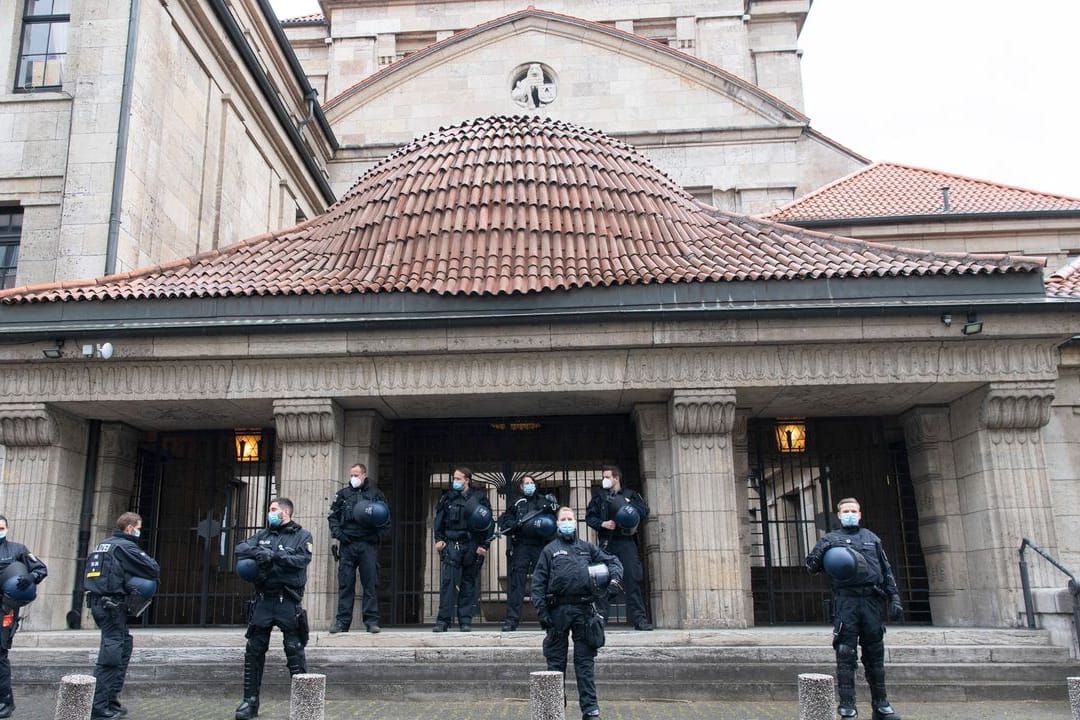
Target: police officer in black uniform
point(621, 542)
point(13, 552)
point(564, 593)
point(358, 551)
point(857, 608)
point(461, 539)
point(282, 551)
point(109, 568)
point(525, 525)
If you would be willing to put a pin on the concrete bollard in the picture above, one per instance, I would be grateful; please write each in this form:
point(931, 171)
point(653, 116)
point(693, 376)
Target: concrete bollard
point(546, 699)
point(1074, 696)
point(75, 698)
point(308, 699)
point(816, 697)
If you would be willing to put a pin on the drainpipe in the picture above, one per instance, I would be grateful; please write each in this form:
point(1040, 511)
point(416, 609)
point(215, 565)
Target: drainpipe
point(122, 140)
point(93, 445)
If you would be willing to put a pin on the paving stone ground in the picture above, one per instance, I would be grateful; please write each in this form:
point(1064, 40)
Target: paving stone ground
point(173, 708)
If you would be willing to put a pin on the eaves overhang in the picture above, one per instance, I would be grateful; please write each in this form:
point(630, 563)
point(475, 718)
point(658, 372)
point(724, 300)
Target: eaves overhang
point(819, 223)
point(659, 301)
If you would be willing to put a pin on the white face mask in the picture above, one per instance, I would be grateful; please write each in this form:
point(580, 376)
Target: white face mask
point(136, 532)
point(607, 483)
point(355, 481)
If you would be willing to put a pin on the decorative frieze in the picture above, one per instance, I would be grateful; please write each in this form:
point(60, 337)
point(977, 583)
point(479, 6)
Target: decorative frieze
point(650, 368)
point(27, 425)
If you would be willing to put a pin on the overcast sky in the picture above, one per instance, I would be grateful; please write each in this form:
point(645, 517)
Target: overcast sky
point(985, 88)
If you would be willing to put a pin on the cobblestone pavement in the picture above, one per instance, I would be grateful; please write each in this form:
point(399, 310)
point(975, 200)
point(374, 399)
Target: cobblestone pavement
point(173, 708)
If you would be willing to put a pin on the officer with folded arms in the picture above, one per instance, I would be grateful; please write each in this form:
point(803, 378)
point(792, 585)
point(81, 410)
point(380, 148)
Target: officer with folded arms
point(276, 560)
point(565, 587)
point(615, 513)
point(528, 525)
point(110, 569)
point(359, 520)
point(862, 580)
point(20, 573)
point(462, 520)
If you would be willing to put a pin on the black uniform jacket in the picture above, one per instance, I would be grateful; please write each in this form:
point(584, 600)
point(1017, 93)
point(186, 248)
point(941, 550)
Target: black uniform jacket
point(563, 570)
point(879, 572)
point(284, 552)
point(603, 506)
point(342, 525)
point(114, 560)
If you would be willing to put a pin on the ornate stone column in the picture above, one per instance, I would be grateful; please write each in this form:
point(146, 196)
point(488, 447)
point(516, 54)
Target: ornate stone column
point(707, 507)
point(41, 493)
point(1003, 493)
point(311, 433)
point(933, 476)
point(654, 462)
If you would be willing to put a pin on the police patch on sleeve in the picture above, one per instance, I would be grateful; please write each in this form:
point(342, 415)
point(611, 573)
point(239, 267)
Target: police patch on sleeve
point(310, 548)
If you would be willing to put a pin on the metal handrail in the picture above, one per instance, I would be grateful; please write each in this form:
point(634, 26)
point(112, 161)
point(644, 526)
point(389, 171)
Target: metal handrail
point(1025, 580)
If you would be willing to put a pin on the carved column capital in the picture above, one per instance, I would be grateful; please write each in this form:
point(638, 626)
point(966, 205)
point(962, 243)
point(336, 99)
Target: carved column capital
point(307, 421)
point(1016, 406)
point(27, 425)
point(651, 420)
point(703, 412)
point(925, 425)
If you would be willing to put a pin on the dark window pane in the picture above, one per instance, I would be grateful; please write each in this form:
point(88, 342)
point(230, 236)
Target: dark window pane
point(9, 259)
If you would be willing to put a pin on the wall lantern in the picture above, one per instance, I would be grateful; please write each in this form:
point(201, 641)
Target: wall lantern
point(790, 435)
point(247, 445)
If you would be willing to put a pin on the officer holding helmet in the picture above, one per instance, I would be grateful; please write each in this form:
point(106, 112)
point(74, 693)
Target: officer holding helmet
point(462, 520)
point(109, 571)
point(281, 551)
point(615, 513)
point(20, 572)
point(528, 525)
point(564, 592)
point(359, 520)
point(861, 580)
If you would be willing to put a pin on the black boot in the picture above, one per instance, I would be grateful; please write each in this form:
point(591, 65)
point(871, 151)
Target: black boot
point(248, 709)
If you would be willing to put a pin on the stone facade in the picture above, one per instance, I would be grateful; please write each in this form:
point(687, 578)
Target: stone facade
point(205, 162)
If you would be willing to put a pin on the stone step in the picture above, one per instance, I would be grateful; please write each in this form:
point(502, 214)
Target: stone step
point(402, 664)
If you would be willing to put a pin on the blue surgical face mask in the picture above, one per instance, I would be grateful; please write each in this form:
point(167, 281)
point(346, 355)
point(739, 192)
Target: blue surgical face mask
point(529, 489)
point(3, 534)
point(458, 485)
point(849, 519)
point(567, 527)
point(273, 519)
point(136, 532)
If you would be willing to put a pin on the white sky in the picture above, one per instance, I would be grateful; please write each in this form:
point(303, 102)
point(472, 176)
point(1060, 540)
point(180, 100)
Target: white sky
point(985, 88)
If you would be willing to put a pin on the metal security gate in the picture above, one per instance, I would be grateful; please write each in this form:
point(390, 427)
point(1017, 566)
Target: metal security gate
point(792, 496)
point(564, 454)
point(201, 493)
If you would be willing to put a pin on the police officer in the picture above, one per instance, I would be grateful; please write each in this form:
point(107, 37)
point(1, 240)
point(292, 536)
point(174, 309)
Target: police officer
point(282, 551)
point(461, 539)
point(109, 568)
point(525, 525)
point(563, 592)
point(13, 552)
point(620, 540)
point(859, 586)
point(358, 538)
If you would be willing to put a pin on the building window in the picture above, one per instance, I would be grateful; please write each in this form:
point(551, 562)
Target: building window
point(44, 44)
point(10, 232)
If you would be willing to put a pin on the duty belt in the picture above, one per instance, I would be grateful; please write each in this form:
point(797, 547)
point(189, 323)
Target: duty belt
point(278, 595)
point(857, 591)
point(556, 600)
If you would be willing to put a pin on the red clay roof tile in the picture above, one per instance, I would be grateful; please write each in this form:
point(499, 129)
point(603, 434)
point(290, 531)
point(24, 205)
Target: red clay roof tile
point(893, 190)
point(402, 228)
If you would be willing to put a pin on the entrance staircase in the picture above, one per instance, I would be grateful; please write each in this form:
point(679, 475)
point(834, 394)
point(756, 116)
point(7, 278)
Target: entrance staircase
point(922, 663)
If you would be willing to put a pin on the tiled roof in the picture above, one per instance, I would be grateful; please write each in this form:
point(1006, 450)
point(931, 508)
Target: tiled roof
point(314, 19)
point(893, 190)
point(517, 204)
point(1065, 283)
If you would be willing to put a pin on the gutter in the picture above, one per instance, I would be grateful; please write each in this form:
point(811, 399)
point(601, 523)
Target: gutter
point(297, 68)
point(236, 36)
point(122, 130)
